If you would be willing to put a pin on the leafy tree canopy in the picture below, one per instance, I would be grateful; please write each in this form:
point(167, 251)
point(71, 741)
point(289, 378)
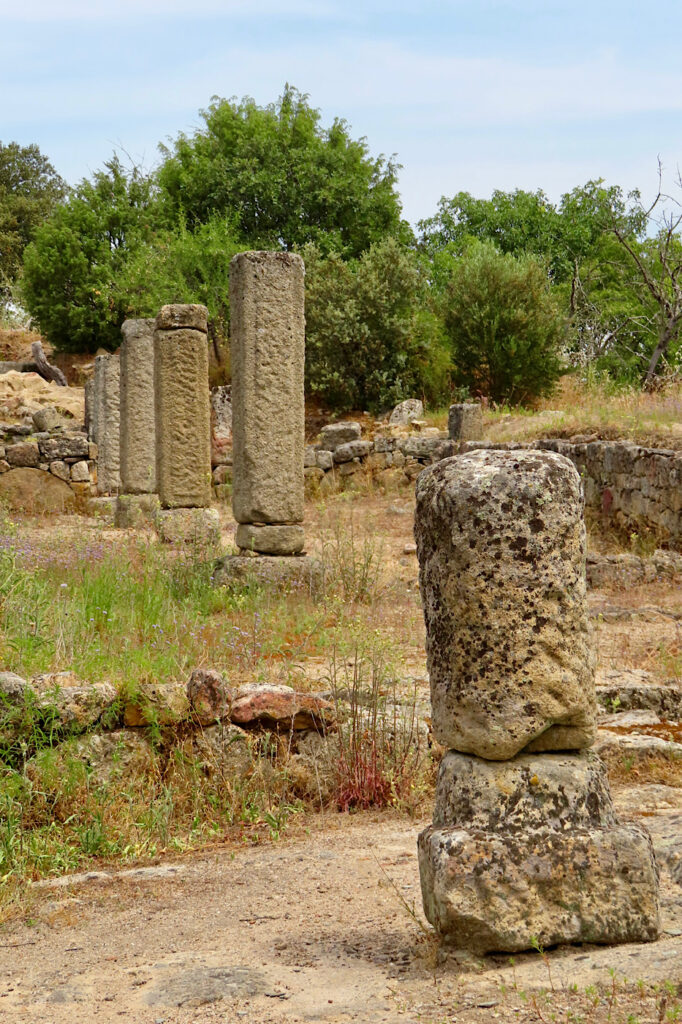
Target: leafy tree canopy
point(30, 188)
point(71, 267)
point(285, 178)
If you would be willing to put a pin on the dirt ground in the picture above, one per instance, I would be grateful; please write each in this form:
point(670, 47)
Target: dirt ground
point(325, 924)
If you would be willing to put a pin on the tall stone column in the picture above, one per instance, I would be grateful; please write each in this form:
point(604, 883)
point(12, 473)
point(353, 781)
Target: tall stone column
point(525, 845)
point(106, 422)
point(138, 414)
point(267, 343)
point(183, 423)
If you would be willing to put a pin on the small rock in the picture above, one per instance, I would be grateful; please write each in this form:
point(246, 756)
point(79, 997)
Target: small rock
point(46, 418)
point(80, 472)
point(352, 450)
point(410, 549)
point(209, 697)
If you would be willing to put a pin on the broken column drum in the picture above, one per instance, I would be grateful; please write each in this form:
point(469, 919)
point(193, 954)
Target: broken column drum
point(267, 341)
point(183, 418)
point(524, 843)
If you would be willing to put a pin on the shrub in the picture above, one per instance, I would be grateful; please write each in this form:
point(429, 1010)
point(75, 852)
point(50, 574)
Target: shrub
point(370, 341)
point(504, 325)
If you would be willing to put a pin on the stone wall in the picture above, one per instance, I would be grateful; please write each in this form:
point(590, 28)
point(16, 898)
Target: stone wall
point(48, 469)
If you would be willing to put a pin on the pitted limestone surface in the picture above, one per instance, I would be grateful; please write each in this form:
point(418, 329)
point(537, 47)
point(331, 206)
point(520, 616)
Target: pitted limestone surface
point(183, 418)
point(532, 791)
point(138, 416)
point(506, 891)
point(501, 545)
point(179, 315)
point(270, 540)
point(267, 352)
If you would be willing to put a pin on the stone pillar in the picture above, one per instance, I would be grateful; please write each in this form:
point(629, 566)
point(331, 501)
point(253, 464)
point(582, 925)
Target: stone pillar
point(138, 415)
point(524, 843)
point(183, 416)
point(106, 422)
point(465, 422)
point(183, 425)
point(267, 340)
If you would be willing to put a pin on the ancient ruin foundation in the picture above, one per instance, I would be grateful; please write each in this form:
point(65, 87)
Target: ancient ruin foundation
point(524, 846)
point(465, 422)
point(267, 338)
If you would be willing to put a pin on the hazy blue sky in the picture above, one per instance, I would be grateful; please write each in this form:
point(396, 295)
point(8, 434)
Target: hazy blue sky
point(471, 95)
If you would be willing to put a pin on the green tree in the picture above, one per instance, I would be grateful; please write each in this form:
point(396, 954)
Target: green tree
point(285, 178)
point(71, 268)
point(183, 266)
point(370, 340)
point(504, 325)
point(30, 188)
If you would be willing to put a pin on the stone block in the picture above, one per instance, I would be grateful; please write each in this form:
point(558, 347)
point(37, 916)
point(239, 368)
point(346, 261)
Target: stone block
point(136, 511)
point(183, 419)
point(297, 573)
point(188, 525)
point(501, 544)
point(352, 450)
point(4, 466)
point(334, 434)
point(465, 422)
point(68, 446)
point(309, 457)
point(60, 469)
point(138, 413)
point(209, 696)
point(324, 459)
point(104, 509)
point(80, 472)
point(267, 338)
point(178, 315)
point(270, 540)
point(221, 475)
point(25, 453)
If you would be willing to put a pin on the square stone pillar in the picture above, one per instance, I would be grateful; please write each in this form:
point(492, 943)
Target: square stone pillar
point(106, 422)
point(267, 343)
point(138, 414)
point(183, 417)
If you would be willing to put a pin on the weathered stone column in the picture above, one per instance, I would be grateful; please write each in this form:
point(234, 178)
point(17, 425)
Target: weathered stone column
point(138, 414)
point(267, 339)
point(183, 423)
point(106, 422)
point(524, 845)
point(183, 415)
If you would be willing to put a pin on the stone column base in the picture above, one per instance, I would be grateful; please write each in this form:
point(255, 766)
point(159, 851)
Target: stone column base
point(270, 539)
point(188, 525)
point(135, 511)
point(104, 509)
point(529, 850)
point(294, 572)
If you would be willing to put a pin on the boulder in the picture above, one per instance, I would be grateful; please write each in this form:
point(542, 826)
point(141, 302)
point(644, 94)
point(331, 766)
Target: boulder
point(297, 573)
point(188, 525)
point(280, 707)
point(501, 545)
point(407, 411)
point(530, 851)
point(109, 757)
point(46, 418)
point(210, 699)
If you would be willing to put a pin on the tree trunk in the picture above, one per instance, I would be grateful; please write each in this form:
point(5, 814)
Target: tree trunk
point(45, 369)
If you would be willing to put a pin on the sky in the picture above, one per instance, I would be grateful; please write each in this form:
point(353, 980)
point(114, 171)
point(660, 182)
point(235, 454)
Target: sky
point(470, 95)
